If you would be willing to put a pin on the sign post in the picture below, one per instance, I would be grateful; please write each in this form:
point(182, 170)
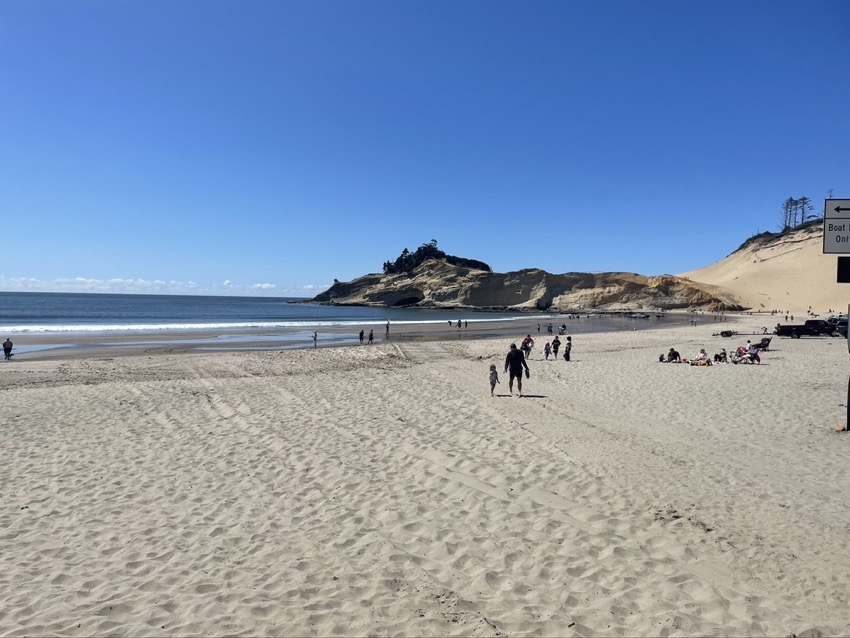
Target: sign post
point(836, 241)
point(836, 227)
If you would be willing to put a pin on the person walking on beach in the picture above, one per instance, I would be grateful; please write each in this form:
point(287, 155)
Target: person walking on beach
point(547, 350)
point(556, 345)
point(568, 346)
point(494, 378)
point(371, 337)
point(527, 345)
point(315, 340)
point(515, 362)
point(388, 329)
point(361, 337)
point(7, 349)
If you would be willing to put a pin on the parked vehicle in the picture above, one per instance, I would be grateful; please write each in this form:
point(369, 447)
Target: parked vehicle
point(840, 325)
point(811, 328)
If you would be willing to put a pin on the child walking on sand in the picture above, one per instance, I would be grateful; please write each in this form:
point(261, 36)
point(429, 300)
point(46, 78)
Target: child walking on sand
point(494, 378)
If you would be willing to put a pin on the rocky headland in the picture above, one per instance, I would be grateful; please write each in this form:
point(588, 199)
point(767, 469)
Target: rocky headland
point(437, 284)
point(769, 271)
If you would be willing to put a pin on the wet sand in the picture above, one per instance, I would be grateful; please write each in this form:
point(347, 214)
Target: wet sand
point(37, 347)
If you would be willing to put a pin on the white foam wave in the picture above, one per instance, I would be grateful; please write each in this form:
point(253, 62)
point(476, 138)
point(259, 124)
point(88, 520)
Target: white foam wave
point(189, 327)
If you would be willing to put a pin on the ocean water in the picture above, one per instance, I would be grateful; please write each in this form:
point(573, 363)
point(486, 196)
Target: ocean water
point(60, 321)
point(40, 322)
point(33, 313)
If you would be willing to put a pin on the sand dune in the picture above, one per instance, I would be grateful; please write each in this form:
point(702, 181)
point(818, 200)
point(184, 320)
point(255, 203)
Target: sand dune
point(789, 274)
point(382, 491)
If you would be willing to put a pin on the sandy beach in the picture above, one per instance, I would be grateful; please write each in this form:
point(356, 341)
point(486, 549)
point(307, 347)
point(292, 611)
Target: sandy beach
point(382, 491)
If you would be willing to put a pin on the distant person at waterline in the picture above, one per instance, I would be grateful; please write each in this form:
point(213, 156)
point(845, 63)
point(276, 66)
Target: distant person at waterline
point(7, 349)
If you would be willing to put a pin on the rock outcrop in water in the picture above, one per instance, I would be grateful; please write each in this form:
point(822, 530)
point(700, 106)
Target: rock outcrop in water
point(438, 284)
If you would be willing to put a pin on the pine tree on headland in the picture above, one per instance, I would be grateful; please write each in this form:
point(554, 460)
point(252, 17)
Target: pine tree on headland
point(408, 261)
point(796, 212)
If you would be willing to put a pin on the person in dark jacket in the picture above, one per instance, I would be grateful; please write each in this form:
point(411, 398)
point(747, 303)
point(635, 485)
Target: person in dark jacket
point(514, 363)
point(568, 347)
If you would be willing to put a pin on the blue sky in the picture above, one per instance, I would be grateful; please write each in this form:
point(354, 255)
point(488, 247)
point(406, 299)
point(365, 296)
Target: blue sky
point(268, 147)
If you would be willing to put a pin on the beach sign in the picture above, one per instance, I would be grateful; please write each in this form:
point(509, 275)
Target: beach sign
point(836, 227)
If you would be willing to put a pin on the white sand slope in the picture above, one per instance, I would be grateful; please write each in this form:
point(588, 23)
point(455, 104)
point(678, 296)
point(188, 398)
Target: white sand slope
point(790, 274)
point(382, 491)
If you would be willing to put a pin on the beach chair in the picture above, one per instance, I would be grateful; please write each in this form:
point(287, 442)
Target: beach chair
point(764, 344)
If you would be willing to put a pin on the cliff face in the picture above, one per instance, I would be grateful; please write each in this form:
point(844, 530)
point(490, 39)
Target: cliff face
point(438, 284)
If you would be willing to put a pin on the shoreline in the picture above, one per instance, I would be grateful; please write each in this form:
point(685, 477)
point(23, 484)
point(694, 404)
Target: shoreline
point(59, 345)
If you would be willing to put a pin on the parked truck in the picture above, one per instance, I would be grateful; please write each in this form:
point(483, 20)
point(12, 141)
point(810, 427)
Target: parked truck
point(811, 328)
point(840, 324)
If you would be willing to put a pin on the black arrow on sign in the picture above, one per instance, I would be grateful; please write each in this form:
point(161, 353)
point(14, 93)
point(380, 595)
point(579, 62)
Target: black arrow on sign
point(838, 209)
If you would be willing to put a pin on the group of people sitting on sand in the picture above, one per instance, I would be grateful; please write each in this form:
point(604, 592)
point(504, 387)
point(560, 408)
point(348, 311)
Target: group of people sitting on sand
point(746, 354)
point(673, 356)
point(743, 354)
